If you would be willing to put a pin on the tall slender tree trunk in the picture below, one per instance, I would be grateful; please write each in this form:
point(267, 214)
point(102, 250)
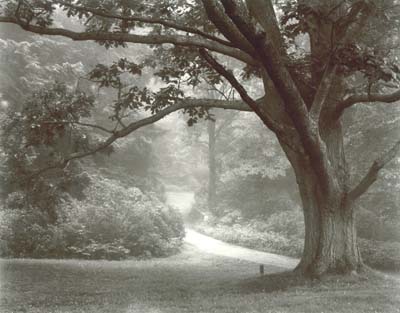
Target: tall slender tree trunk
point(212, 167)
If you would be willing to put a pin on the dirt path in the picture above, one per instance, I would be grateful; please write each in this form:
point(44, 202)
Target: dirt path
point(180, 200)
point(183, 202)
point(217, 247)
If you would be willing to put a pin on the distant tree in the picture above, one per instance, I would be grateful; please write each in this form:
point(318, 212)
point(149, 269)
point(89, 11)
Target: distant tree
point(254, 175)
point(306, 90)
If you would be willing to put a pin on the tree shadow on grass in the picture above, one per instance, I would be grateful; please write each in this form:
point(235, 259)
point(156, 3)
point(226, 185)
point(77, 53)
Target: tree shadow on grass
point(273, 282)
point(283, 281)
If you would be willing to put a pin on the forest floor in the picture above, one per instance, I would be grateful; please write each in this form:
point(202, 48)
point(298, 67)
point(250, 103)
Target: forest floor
point(192, 281)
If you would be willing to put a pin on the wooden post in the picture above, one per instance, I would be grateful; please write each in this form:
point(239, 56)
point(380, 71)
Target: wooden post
point(262, 269)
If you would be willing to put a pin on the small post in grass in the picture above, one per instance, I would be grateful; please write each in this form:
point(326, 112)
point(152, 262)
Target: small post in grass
point(261, 269)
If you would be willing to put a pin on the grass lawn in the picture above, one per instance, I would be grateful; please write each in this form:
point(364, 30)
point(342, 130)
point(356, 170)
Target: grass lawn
point(189, 282)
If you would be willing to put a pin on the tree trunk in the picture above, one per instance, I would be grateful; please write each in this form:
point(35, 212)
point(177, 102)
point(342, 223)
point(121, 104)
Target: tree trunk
point(212, 168)
point(330, 244)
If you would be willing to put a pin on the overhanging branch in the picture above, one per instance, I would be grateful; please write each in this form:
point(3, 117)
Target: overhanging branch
point(147, 20)
point(294, 104)
point(272, 125)
point(226, 27)
point(372, 174)
point(151, 39)
point(365, 98)
point(282, 133)
point(184, 104)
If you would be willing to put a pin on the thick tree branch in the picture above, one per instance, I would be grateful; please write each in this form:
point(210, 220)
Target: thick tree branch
point(322, 92)
point(272, 125)
point(147, 20)
point(373, 172)
point(264, 13)
point(184, 104)
point(151, 39)
point(365, 98)
point(276, 69)
point(226, 27)
point(288, 91)
point(279, 130)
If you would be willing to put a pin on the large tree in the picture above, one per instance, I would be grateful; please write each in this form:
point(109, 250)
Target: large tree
point(313, 59)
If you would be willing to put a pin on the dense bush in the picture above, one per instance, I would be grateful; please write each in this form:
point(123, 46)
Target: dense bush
point(112, 223)
point(288, 223)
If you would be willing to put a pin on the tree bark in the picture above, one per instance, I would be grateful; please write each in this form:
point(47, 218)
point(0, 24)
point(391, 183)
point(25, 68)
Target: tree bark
point(330, 244)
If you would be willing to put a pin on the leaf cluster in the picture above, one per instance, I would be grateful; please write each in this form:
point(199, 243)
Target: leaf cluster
point(34, 12)
point(38, 135)
point(49, 113)
point(356, 58)
point(110, 76)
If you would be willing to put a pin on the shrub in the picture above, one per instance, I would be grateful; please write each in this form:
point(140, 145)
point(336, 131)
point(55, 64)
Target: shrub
point(289, 223)
point(113, 222)
point(110, 251)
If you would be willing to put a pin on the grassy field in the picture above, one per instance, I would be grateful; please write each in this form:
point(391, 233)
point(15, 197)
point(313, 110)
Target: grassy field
point(189, 282)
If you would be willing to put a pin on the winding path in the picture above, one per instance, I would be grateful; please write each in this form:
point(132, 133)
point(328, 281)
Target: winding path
point(214, 246)
point(183, 202)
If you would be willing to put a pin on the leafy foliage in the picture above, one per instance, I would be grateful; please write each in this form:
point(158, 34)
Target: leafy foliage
point(31, 64)
point(42, 129)
point(113, 222)
point(38, 135)
point(109, 76)
point(371, 58)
